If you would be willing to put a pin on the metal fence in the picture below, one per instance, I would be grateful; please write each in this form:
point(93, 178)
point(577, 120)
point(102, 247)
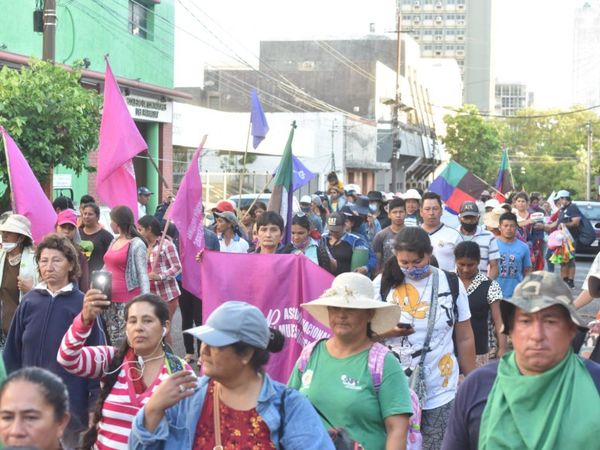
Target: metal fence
point(223, 185)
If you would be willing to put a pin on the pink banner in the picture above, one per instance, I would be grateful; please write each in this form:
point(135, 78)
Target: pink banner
point(119, 142)
point(277, 285)
point(28, 197)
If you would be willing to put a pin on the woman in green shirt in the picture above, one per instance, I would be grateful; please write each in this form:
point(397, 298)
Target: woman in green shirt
point(371, 404)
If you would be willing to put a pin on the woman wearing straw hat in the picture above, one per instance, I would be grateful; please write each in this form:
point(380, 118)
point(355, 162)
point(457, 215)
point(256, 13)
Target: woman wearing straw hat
point(18, 268)
point(337, 376)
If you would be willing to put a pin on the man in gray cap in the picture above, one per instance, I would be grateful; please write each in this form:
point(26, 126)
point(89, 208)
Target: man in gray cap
point(531, 397)
point(471, 231)
point(143, 198)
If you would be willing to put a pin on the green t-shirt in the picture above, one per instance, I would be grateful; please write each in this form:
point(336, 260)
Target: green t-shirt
point(342, 390)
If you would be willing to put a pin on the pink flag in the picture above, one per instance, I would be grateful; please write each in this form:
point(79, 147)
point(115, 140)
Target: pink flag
point(28, 197)
point(187, 215)
point(120, 141)
point(277, 285)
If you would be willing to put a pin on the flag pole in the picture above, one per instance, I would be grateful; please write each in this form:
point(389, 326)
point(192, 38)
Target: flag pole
point(244, 164)
point(162, 179)
point(256, 199)
point(11, 194)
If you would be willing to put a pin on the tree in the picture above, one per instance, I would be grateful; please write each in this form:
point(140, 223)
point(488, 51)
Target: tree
point(50, 116)
point(548, 149)
point(474, 142)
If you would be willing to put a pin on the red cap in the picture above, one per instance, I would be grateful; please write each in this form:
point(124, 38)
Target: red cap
point(66, 216)
point(224, 205)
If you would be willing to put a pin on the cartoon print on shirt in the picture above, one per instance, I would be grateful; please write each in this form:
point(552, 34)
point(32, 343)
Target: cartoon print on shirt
point(446, 364)
point(407, 297)
point(508, 268)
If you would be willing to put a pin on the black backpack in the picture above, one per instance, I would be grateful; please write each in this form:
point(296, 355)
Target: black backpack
point(587, 234)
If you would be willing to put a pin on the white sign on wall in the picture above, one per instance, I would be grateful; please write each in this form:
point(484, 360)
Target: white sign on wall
point(149, 109)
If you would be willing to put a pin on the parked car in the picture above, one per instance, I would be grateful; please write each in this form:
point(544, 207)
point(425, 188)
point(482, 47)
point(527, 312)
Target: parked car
point(591, 210)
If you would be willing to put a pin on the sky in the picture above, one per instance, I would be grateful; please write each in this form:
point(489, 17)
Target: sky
point(532, 38)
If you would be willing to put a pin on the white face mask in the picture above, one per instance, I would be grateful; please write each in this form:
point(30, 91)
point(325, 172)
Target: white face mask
point(9, 246)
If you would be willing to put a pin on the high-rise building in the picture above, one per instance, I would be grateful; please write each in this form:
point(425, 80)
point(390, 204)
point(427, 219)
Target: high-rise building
point(586, 59)
point(512, 97)
point(458, 29)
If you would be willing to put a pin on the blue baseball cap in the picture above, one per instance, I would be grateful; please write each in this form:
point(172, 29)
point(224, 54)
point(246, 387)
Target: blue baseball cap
point(232, 322)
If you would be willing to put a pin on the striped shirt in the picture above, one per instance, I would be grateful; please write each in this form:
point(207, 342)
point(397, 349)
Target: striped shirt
point(488, 246)
point(168, 268)
point(122, 404)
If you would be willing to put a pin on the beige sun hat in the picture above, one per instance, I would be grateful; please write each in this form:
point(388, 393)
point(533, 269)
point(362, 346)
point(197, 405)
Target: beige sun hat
point(16, 223)
point(492, 218)
point(354, 291)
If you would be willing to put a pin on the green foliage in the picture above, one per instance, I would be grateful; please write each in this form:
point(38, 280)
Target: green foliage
point(50, 116)
point(547, 149)
point(473, 141)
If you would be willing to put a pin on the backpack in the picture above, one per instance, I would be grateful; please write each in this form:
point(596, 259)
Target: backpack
point(587, 234)
point(376, 360)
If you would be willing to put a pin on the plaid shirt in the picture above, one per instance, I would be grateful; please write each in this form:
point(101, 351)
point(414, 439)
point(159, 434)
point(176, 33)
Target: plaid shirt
point(167, 268)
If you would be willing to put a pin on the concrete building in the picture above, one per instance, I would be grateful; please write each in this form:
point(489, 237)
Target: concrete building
point(458, 29)
point(586, 58)
point(139, 40)
point(512, 97)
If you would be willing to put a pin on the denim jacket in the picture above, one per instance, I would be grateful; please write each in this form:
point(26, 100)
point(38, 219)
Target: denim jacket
point(302, 428)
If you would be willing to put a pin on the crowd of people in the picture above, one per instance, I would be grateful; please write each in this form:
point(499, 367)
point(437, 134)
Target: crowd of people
point(446, 331)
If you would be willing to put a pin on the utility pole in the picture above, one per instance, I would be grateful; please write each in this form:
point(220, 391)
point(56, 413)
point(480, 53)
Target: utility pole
point(48, 54)
point(49, 30)
point(396, 143)
point(589, 162)
point(333, 130)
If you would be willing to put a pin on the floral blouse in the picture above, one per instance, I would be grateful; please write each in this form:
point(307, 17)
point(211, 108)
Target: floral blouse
point(240, 430)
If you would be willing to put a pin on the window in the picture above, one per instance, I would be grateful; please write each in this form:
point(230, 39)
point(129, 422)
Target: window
point(140, 18)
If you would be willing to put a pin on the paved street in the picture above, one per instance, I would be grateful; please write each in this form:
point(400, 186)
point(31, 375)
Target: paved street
point(583, 265)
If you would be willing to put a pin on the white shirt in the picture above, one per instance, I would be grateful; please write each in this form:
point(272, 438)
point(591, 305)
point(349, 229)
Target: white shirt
point(594, 270)
point(444, 240)
point(441, 365)
point(236, 245)
point(141, 210)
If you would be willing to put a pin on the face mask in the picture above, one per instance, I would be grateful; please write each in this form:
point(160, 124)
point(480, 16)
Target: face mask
point(416, 273)
point(468, 227)
point(9, 246)
point(374, 206)
point(305, 209)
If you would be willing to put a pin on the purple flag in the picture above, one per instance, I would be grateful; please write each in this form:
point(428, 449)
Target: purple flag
point(260, 127)
point(301, 175)
point(291, 280)
point(28, 197)
point(187, 215)
point(119, 142)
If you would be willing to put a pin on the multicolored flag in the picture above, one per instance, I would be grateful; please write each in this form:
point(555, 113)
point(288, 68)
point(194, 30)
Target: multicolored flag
point(504, 181)
point(28, 197)
point(281, 198)
point(260, 127)
point(291, 280)
point(456, 185)
point(120, 141)
point(187, 215)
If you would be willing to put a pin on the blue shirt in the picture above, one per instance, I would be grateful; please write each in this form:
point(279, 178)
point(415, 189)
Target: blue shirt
point(514, 258)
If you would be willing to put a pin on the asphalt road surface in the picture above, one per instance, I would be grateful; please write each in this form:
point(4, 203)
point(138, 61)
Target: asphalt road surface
point(583, 266)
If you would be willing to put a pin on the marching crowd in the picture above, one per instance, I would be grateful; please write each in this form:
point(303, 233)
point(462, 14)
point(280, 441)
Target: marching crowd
point(447, 332)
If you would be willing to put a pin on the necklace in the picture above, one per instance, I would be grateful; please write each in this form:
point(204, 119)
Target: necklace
point(14, 260)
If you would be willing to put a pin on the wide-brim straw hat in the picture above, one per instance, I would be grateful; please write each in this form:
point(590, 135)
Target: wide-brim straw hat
point(354, 291)
point(16, 223)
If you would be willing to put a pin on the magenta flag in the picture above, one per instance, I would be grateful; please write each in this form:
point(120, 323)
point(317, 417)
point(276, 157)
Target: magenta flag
point(28, 197)
point(119, 142)
point(277, 285)
point(187, 215)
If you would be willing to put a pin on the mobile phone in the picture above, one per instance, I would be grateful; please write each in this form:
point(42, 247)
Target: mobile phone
point(102, 281)
point(404, 325)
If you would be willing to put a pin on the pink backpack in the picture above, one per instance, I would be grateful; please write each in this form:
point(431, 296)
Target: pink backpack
point(376, 361)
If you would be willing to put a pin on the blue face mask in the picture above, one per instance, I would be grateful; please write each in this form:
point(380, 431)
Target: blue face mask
point(305, 209)
point(416, 273)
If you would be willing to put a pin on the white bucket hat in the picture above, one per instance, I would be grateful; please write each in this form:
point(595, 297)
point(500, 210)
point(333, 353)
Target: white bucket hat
point(16, 223)
point(411, 194)
point(354, 291)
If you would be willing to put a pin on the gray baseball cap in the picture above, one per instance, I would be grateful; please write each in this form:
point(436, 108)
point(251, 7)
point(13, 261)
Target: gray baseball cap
point(232, 322)
point(540, 290)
